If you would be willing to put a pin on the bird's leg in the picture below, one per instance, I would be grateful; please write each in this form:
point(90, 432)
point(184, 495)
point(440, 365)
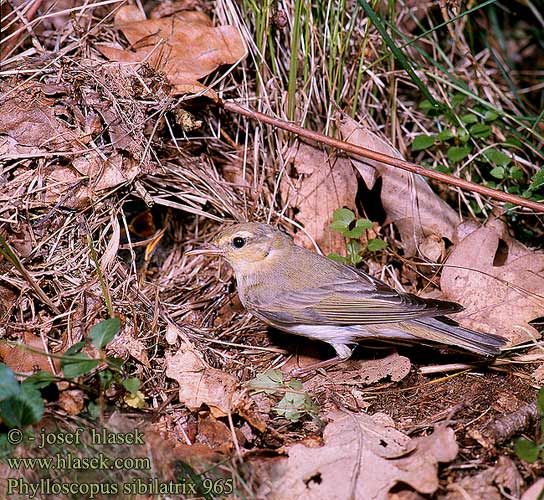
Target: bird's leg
point(343, 353)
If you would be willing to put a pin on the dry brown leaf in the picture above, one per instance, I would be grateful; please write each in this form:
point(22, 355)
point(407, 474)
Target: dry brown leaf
point(420, 215)
point(488, 483)
point(28, 124)
point(501, 287)
point(356, 371)
point(125, 344)
point(322, 184)
point(22, 360)
point(363, 458)
point(199, 384)
point(394, 366)
point(535, 492)
point(106, 173)
point(72, 401)
point(214, 433)
point(185, 46)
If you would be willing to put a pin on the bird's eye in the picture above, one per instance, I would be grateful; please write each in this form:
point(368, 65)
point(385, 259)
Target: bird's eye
point(238, 242)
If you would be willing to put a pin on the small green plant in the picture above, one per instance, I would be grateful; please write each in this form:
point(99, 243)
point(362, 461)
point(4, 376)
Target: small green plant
point(529, 450)
point(22, 404)
point(465, 128)
point(351, 228)
point(294, 404)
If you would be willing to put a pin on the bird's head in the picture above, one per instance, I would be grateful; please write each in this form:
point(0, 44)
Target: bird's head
point(248, 246)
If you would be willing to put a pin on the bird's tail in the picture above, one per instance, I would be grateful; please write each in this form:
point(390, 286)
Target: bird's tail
point(446, 331)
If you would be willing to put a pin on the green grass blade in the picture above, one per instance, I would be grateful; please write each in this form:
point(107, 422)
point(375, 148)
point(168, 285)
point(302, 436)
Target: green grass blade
point(397, 53)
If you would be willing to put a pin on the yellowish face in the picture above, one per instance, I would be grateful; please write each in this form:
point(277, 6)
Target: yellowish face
point(247, 245)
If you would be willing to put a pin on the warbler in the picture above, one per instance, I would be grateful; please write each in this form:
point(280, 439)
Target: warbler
point(301, 292)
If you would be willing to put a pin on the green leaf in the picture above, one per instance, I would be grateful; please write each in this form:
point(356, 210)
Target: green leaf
point(40, 379)
point(537, 180)
point(397, 52)
point(291, 406)
point(132, 385)
point(104, 332)
point(268, 382)
point(480, 130)
point(375, 245)
point(8, 383)
point(115, 364)
point(360, 226)
point(295, 384)
point(443, 168)
point(457, 153)
point(469, 118)
point(527, 450)
point(422, 141)
point(446, 135)
point(540, 402)
point(93, 410)
point(106, 378)
point(75, 363)
point(337, 257)
point(338, 227)
point(426, 105)
point(516, 174)
point(463, 136)
point(344, 215)
point(512, 141)
point(74, 349)
point(24, 408)
point(458, 99)
point(490, 116)
point(497, 172)
point(497, 157)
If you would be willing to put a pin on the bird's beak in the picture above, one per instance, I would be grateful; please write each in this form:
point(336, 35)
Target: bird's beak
point(206, 249)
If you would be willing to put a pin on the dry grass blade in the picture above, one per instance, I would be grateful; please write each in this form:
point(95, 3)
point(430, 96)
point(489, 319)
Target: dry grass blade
point(7, 252)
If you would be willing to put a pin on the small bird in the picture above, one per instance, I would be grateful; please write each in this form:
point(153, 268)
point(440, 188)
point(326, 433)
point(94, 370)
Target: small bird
point(303, 293)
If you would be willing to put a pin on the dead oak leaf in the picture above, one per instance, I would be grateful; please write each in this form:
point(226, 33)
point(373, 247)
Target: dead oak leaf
point(419, 214)
point(200, 384)
point(363, 457)
point(501, 285)
point(185, 46)
point(321, 184)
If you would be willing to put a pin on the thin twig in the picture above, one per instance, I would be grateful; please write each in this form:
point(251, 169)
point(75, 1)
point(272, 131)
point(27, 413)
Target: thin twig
point(10, 44)
point(355, 150)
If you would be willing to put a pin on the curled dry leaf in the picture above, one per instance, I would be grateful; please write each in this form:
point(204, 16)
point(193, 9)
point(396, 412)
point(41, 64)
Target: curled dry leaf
point(185, 46)
point(498, 280)
point(322, 184)
point(199, 384)
point(363, 458)
point(420, 215)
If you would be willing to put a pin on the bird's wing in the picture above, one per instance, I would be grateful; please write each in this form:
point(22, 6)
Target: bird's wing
point(358, 299)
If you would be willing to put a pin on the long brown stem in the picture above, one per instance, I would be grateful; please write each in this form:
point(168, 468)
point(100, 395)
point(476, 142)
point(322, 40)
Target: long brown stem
point(355, 150)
